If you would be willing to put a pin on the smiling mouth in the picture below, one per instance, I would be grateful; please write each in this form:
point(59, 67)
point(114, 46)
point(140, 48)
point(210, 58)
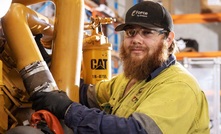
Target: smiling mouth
point(136, 50)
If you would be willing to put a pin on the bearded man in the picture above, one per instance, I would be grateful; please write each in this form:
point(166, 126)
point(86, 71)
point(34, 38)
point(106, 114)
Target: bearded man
point(154, 94)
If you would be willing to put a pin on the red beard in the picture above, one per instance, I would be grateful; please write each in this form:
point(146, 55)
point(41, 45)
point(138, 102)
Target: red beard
point(141, 69)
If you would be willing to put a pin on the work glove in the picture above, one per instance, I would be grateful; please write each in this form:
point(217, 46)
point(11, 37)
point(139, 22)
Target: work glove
point(55, 102)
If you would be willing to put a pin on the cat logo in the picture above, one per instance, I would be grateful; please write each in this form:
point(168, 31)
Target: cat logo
point(99, 64)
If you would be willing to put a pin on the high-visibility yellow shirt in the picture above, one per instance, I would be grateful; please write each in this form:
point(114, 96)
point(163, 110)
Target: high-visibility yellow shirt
point(172, 102)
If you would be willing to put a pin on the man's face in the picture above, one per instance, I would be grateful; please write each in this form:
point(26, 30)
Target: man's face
point(142, 51)
point(140, 41)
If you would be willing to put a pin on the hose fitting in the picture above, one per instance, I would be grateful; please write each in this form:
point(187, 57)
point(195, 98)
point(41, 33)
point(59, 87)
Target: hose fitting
point(38, 78)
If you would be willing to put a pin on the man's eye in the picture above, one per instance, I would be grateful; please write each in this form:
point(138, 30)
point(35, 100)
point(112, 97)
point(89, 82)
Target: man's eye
point(147, 32)
point(130, 32)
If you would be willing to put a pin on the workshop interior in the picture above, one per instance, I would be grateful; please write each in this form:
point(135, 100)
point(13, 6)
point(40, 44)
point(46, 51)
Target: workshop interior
point(68, 43)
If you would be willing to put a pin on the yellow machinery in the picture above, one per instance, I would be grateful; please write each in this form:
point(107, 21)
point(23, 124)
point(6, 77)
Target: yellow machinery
point(96, 52)
point(23, 70)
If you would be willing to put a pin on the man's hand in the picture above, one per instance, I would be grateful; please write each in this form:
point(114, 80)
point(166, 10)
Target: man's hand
point(55, 102)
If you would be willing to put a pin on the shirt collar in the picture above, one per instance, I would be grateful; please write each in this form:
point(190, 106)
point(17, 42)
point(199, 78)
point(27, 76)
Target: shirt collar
point(170, 61)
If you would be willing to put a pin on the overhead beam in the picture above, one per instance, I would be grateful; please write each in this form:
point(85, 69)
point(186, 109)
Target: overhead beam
point(196, 18)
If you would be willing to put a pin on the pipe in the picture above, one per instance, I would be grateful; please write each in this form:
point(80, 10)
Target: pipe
point(67, 50)
point(17, 32)
point(67, 37)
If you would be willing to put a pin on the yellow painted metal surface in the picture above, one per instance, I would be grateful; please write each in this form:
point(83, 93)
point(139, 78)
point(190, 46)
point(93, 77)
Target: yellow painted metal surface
point(96, 51)
point(97, 64)
point(19, 36)
point(67, 47)
point(4, 116)
point(67, 40)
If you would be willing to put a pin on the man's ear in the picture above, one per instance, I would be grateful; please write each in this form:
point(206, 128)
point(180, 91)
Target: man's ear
point(170, 38)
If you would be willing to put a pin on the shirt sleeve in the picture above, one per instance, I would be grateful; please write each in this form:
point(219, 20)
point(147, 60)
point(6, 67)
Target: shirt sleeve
point(99, 94)
point(83, 120)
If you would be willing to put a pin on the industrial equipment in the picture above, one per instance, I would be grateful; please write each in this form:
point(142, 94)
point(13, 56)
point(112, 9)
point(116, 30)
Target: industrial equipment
point(23, 70)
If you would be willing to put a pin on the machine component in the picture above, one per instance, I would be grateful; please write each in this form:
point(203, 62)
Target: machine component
point(50, 119)
point(19, 54)
point(96, 51)
point(23, 69)
point(67, 40)
point(37, 78)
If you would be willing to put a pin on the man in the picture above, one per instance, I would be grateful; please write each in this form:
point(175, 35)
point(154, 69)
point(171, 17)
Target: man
point(153, 95)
